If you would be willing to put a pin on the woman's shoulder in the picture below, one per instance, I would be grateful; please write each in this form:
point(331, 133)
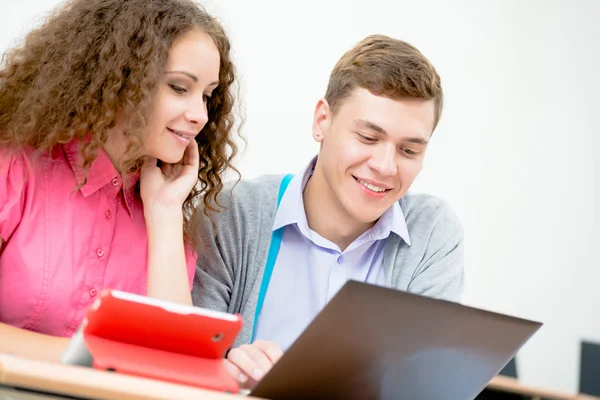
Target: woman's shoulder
point(16, 164)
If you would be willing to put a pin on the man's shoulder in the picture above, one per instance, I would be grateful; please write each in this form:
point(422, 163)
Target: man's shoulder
point(426, 212)
point(245, 199)
point(247, 192)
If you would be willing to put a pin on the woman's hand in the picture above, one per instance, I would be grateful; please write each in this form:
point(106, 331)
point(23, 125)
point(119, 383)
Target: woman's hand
point(168, 186)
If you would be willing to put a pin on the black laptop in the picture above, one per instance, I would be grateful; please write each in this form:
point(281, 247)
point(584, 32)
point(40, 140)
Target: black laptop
point(371, 342)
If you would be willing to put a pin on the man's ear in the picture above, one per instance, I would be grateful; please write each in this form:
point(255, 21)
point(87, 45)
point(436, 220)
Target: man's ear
point(321, 120)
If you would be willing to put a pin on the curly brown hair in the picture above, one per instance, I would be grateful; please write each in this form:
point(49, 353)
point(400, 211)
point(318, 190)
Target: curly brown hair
point(386, 67)
point(95, 59)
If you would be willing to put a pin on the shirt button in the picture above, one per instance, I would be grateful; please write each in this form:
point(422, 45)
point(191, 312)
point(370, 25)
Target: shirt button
point(100, 253)
point(93, 292)
point(340, 259)
point(115, 182)
point(108, 214)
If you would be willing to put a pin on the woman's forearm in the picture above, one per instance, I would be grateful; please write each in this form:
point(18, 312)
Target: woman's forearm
point(27, 344)
point(167, 272)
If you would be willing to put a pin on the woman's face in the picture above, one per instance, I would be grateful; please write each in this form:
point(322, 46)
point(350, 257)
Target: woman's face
point(179, 112)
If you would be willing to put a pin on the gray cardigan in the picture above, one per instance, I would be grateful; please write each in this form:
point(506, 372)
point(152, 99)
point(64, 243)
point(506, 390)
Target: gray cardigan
point(233, 250)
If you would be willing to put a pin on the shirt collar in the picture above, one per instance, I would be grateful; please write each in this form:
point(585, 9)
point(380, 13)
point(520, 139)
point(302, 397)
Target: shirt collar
point(291, 211)
point(101, 173)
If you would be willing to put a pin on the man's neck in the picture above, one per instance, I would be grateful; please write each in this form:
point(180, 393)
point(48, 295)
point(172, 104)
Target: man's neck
point(326, 216)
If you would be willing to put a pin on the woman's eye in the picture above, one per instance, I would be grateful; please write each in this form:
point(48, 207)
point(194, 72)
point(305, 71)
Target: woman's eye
point(178, 89)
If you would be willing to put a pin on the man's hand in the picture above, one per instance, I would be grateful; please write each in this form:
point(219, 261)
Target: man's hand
point(250, 362)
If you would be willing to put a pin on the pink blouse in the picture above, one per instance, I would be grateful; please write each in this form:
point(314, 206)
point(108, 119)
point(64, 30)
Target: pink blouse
point(61, 246)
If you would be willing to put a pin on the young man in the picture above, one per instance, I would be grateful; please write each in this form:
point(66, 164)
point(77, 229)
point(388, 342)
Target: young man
point(347, 215)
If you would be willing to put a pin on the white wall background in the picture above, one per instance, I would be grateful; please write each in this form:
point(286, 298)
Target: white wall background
point(514, 152)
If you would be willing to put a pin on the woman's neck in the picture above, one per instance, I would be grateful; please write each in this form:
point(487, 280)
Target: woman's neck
point(115, 147)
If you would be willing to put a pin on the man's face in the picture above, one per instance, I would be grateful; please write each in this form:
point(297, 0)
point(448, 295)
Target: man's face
point(372, 150)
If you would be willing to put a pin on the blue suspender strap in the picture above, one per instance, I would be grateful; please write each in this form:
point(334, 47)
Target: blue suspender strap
point(271, 257)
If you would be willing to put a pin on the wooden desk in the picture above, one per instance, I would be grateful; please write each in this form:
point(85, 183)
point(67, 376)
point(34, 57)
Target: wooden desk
point(96, 384)
point(506, 384)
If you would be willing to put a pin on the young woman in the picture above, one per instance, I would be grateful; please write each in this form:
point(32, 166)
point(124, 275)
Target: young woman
point(115, 118)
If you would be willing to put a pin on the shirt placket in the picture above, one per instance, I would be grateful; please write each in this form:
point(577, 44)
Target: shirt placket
point(100, 248)
point(347, 265)
point(338, 274)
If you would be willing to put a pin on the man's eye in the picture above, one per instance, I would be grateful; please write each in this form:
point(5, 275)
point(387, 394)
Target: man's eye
point(367, 138)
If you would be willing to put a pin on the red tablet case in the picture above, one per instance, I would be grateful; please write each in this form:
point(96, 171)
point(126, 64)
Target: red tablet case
point(160, 341)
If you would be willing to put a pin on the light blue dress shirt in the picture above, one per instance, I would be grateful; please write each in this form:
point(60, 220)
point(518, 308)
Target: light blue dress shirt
point(310, 269)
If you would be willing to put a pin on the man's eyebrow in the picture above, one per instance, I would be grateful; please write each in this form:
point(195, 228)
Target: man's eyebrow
point(374, 127)
point(417, 140)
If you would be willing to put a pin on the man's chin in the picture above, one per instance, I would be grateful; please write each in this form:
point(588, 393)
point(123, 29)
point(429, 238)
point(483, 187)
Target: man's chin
point(366, 216)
